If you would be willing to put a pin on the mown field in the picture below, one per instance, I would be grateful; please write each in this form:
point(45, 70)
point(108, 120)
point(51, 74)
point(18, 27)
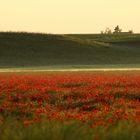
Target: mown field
point(49, 50)
point(70, 105)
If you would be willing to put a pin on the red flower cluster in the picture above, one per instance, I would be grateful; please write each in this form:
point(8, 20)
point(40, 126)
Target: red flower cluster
point(96, 98)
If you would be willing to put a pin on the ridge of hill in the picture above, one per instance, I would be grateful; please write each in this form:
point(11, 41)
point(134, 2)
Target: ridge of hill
point(21, 49)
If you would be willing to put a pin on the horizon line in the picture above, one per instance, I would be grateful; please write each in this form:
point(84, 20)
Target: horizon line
point(38, 32)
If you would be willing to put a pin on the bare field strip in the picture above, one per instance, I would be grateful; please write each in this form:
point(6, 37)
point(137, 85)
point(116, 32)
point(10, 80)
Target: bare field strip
point(65, 70)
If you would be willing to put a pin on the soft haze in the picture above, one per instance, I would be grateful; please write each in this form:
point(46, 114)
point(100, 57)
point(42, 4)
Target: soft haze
point(69, 16)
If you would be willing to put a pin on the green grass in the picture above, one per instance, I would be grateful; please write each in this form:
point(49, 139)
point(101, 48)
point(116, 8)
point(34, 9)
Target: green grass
point(47, 50)
point(110, 38)
point(68, 130)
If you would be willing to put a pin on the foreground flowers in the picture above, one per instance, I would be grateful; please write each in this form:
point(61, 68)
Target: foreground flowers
point(100, 99)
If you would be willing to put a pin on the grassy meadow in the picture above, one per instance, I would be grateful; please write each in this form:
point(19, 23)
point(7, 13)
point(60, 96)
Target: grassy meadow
point(48, 50)
point(54, 105)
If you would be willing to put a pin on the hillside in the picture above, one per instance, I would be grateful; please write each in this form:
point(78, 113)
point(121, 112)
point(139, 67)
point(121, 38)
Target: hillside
point(32, 49)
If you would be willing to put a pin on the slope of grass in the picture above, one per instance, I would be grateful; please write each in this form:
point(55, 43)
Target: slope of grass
point(112, 38)
point(32, 49)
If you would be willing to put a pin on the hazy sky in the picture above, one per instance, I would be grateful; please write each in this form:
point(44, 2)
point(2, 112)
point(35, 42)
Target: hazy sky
point(69, 16)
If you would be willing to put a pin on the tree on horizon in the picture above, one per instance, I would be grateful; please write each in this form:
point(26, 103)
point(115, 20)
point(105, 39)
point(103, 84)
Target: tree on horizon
point(117, 29)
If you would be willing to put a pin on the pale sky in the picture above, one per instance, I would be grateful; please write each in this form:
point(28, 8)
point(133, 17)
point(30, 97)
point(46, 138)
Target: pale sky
point(69, 16)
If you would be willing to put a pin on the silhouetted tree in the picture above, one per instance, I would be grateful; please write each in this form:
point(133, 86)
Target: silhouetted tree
point(108, 31)
point(117, 29)
point(102, 32)
point(131, 31)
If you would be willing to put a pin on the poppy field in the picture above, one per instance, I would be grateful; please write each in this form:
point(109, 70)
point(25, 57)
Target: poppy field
point(102, 101)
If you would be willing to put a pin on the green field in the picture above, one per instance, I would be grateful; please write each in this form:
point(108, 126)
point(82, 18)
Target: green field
point(27, 50)
point(67, 131)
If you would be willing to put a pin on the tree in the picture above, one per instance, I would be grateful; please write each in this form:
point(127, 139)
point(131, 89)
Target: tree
point(131, 31)
point(102, 32)
point(117, 29)
point(107, 31)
